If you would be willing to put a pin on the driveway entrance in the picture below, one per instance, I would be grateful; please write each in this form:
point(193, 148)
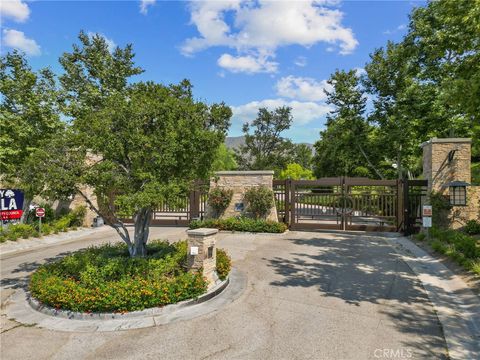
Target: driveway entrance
point(345, 203)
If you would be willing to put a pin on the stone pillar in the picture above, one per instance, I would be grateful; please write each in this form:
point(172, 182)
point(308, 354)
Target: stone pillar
point(239, 182)
point(447, 160)
point(438, 169)
point(202, 253)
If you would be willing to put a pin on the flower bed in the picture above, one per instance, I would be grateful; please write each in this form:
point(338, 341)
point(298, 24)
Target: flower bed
point(241, 224)
point(106, 279)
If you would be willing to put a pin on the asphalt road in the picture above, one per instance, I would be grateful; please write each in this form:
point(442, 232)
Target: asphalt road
point(308, 296)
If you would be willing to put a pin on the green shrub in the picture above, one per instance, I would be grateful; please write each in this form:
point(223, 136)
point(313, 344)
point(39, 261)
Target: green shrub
point(219, 199)
point(106, 279)
point(241, 224)
point(259, 201)
point(440, 210)
point(77, 216)
point(420, 236)
point(23, 231)
point(457, 245)
point(472, 227)
point(224, 264)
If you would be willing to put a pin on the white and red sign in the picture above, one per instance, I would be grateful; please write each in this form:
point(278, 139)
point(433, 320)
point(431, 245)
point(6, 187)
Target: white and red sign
point(427, 210)
point(40, 212)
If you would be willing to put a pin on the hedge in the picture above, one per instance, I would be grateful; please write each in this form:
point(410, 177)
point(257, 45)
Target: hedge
point(241, 224)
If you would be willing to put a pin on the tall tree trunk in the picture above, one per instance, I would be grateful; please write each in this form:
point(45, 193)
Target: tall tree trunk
point(142, 223)
point(27, 200)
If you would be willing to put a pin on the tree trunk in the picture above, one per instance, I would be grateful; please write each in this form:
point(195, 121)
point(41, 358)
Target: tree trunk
point(26, 208)
point(142, 223)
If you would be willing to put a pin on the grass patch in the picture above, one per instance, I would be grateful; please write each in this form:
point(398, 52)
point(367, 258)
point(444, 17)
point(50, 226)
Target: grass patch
point(241, 224)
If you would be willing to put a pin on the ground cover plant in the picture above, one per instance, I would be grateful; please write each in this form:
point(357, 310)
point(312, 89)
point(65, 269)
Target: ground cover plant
point(107, 279)
point(457, 245)
point(52, 225)
point(241, 224)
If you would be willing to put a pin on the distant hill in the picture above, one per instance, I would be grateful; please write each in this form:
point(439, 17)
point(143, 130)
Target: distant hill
point(234, 142)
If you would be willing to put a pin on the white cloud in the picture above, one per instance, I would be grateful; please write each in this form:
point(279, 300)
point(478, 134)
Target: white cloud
point(400, 27)
point(302, 112)
point(360, 71)
point(145, 4)
point(14, 9)
point(263, 26)
point(302, 88)
point(17, 40)
point(248, 64)
point(300, 61)
point(110, 43)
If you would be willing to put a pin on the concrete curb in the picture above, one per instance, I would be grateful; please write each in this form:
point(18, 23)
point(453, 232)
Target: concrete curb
point(19, 309)
point(457, 307)
point(66, 314)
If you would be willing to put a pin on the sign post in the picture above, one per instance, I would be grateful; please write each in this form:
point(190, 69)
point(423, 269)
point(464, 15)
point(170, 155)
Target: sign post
point(427, 218)
point(40, 213)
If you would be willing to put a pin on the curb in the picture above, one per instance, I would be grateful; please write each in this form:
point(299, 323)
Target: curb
point(19, 309)
point(457, 308)
point(73, 315)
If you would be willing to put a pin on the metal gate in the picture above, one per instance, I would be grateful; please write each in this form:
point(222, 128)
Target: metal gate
point(187, 207)
point(341, 203)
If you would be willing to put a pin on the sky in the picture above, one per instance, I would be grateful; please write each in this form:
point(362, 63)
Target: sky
point(248, 54)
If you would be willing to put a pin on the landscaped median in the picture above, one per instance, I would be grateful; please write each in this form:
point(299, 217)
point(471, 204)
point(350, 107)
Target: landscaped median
point(107, 279)
point(241, 224)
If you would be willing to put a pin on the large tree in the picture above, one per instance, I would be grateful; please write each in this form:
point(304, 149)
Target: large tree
point(29, 119)
point(137, 145)
point(345, 146)
point(428, 84)
point(266, 148)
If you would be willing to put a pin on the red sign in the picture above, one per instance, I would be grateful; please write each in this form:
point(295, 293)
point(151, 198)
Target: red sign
point(10, 214)
point(40, 212)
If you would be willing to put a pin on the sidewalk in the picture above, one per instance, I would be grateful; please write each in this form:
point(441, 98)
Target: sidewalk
point(22, 245)
point(457, 307)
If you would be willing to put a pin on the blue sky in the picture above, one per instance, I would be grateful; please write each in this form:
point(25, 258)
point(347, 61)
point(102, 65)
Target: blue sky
point(246, 53)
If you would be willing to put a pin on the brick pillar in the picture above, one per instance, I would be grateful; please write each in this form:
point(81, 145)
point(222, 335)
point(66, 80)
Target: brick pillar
point(202, 253)
point(447, 160)
point(438, 169)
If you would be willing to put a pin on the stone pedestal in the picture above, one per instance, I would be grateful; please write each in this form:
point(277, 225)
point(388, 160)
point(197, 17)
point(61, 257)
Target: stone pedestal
point(202, 253)
point(240, 182)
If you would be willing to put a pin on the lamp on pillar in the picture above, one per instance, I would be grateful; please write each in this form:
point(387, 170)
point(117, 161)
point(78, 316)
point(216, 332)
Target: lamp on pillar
point(457, 191)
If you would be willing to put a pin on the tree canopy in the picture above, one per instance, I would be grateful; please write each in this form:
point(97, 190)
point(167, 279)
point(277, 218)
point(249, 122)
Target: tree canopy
point(137, 145)
point(266, 148)
point(29, 118)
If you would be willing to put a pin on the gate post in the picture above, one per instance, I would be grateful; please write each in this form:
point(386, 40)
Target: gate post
point(194, 200)
point(288, 186)
point(292, 203)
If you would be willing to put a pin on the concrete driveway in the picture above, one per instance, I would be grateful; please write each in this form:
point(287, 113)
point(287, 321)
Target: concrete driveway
point(308, 296)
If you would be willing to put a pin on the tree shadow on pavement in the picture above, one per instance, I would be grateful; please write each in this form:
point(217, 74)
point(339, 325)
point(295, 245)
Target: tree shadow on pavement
point(20, 276)
point(364, 269)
